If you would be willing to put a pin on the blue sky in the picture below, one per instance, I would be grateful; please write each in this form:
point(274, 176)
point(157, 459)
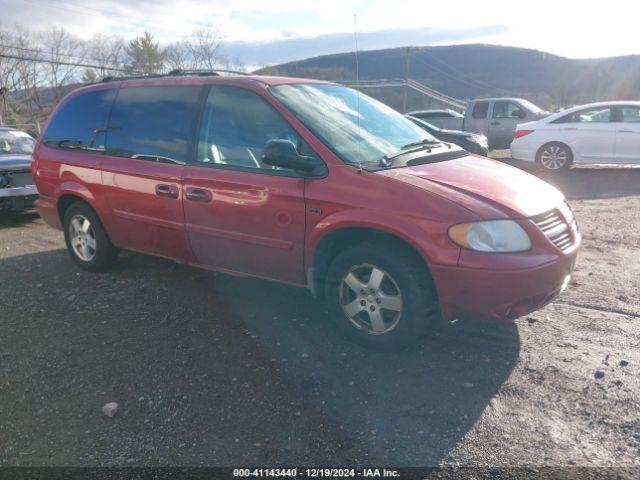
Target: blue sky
point(269, 31)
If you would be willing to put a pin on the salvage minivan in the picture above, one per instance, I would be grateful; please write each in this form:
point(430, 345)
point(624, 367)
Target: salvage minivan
point(307, 183)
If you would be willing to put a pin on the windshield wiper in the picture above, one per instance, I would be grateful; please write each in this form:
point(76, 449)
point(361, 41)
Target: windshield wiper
point(425, 144)
point(426, 141)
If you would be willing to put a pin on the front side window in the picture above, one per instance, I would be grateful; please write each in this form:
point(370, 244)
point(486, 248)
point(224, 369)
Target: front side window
point(503, 109)
point(153, 123)
point(356, 127)
point(480, 110)
point(81, 122)
point(15, 142)
point(236, 126)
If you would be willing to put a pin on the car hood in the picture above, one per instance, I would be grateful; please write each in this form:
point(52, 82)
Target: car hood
point(459, 133)
point(15, 162)
point(489, 188)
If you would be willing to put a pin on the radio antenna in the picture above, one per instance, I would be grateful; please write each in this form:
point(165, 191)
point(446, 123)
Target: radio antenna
point(355, 41)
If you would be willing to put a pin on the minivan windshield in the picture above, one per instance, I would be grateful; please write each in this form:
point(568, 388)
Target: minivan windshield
point(356, 127)
point(15, 142)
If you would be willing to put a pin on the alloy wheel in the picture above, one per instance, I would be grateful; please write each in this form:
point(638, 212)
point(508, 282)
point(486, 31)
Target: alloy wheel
point(371, 299)
point(82, 237)
point(554, 157)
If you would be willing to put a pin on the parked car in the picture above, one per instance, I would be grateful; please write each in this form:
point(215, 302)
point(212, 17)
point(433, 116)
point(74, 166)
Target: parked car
point(307, 183)
point(471, 142)
point(443, 118)
point(495, 118)
point(17, 189)
point(604, 132)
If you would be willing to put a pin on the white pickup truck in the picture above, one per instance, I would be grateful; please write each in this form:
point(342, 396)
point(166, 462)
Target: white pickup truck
point(496, 118)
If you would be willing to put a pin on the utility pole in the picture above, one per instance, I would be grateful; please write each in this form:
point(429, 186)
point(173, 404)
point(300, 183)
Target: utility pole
point(3, 103)
point(406, 80)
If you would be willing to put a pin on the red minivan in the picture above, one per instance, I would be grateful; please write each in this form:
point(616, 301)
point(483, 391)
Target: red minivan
point(308, 183)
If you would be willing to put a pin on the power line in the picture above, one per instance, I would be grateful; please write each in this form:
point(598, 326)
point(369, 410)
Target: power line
point(470, 82)
point(34, 50)
point(68, 64)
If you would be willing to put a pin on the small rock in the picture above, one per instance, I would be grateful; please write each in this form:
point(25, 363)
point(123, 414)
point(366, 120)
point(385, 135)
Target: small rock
point(467, 385)
point(305, 355)
point(110, 409)
point(297, 414)
point(531, 320)
point(599, 374)
point(71, 298)
point(623, 363)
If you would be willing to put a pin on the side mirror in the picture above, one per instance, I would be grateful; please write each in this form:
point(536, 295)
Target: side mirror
point(283, 153)
point(518, 114)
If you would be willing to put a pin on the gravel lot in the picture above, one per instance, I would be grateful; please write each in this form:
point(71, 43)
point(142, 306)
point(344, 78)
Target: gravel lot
point(214, 370)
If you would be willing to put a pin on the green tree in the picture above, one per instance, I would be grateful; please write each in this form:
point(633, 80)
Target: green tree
point(145, 55)
point(89, 76)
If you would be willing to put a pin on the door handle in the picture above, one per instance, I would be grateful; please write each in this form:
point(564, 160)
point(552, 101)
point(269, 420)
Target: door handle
point(168, 191)
point(198, 194)
point(625, 131)
point(495, 123)
point(570, 128)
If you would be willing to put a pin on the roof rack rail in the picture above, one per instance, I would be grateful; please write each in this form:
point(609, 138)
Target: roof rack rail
point(205, 72)
point(176, 73)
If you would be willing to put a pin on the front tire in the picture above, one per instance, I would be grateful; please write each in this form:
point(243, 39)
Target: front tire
point(87, 240)
point(381, 299)
point(555, 157)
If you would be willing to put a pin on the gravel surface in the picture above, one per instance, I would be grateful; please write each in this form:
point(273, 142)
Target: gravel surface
point(208, 369)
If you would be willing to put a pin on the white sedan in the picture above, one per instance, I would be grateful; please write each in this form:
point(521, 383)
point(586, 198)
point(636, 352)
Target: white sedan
point(605, 132)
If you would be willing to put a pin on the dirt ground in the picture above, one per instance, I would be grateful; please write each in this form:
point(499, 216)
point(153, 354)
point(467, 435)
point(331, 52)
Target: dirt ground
point(209, 369)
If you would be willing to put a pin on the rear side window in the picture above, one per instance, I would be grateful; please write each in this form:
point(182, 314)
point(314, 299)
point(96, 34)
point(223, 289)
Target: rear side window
point(81, 122)
point(630, 114)
point(480, 110)
point(589, 115)
point(153, 123)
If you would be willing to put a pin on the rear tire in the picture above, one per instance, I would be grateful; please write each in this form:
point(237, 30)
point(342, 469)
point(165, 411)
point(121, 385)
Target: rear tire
point(381, 299)
point(555, 157)
point(87, 240)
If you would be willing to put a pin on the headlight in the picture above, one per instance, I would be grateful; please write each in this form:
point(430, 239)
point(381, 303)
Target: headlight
point(500, 236)
point(479, 139)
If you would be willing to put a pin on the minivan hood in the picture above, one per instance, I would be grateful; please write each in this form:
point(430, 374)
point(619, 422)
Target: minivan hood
point(487, 187)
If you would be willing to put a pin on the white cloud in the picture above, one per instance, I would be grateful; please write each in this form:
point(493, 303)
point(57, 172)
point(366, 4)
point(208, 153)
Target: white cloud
point(567, 28)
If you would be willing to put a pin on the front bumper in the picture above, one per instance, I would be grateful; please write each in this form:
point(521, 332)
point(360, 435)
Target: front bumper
point(18, 198)
point(484, 294)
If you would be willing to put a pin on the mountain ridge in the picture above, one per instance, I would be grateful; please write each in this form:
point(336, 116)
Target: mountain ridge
point(480, 70)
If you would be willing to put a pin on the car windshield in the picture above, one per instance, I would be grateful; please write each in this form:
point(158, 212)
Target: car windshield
point(15, 142)
point(356, 127)
point(532, 107)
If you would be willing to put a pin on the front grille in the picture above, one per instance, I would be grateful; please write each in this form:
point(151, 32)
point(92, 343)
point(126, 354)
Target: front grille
point(559, 226)
point(19, 179)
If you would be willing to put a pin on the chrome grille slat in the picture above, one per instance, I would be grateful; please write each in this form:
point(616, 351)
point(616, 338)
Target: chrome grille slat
point(557, 228)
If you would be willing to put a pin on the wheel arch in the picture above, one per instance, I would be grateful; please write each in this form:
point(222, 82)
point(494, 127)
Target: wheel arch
point(555, 142)
point(337, 239)
point(69, 193)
